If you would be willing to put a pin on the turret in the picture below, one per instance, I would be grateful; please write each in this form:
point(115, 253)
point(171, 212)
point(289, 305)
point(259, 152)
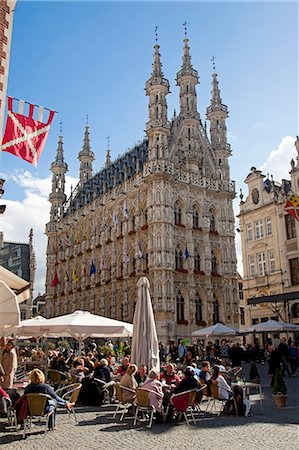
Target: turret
point(57, 197)
point(86, 157)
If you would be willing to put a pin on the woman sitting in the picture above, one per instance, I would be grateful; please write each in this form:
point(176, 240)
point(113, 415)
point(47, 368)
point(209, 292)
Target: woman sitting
point(128, 381)
point(189, 382)
point(154, 386)
point(37, 386)
point(224, 390)
point(141, 375)
point(170, 377)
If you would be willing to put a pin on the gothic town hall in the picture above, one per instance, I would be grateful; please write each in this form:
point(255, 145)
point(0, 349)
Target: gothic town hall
point(162, 210)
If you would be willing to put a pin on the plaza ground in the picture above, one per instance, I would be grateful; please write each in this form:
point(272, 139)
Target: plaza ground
point(271, 428)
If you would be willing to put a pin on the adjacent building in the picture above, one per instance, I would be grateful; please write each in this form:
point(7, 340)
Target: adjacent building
point(270, 247)
point(161, 210)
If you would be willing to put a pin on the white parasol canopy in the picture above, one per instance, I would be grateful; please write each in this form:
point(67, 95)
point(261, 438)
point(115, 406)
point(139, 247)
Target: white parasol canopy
point(215, 330)
point(9, 308)
point(17, 284)
point(145, 345)
point(272, 326)
point(29, 327)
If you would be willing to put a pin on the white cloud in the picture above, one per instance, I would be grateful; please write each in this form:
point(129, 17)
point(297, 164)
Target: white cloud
point(278, 160)
point(31, 212)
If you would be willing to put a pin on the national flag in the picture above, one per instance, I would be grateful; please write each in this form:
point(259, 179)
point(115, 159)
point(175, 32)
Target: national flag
point(24, 136)
point(125, 211)
point(92, 268)
point(140, 254)
point(76, 278)
point(292, 206)
point(217, 254)
point(55, 280)
point(67, 278)
point(187, 254)
point(67, 241)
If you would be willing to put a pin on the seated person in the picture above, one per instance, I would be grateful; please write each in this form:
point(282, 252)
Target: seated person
point(37, 386)
point(188, 359)
point(189, 381)
point(123, 368)
point(78, 370)
point(102, 372)
point(128, 381)
point(141, 375)
point(153, 385)
point(224, 390)
point(170, 377)
point(196, 370)
point(205, 376)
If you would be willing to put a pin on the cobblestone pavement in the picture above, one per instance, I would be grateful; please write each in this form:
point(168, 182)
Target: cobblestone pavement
point(273, 428)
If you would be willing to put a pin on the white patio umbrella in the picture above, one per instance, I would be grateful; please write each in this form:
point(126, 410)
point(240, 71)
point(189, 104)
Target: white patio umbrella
point(215, 330)
point(9, 308)
point(17, 284)
point(29, 327)
point(145, 344)
point(272, 326)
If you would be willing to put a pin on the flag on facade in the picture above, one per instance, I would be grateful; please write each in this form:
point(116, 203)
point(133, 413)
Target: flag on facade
point(76, 278)
point(292, 206)
point(24, 136)
point(140, 254)
point(67, 278)
point(55, 280)
point(92, 268)
point(217, 254)
point(125, 211)
point(187, 254)
point(67, 241)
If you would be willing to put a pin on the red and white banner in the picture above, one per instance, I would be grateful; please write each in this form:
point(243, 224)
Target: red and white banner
point(24, 136)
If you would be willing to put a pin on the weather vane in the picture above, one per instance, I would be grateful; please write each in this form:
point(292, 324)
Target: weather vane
point(86, 119)
point(213, 61)
point(185, 27)
point(108, 141)
point(60, 123)
point(156, 34)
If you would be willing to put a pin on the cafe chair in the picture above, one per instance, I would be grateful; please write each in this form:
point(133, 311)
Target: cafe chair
point(142, 401)
point(122, 404)
point(36, 410)
point(70, 394)
point(183, 403)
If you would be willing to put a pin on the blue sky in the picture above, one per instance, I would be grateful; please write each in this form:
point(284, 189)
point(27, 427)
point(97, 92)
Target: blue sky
point(94, 58)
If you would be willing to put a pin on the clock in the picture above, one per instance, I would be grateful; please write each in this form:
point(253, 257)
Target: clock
point(255, 196)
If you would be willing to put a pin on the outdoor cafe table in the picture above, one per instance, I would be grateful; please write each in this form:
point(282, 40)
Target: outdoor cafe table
point(247, 386)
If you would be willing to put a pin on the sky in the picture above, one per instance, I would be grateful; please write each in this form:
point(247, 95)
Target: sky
point(93, 59)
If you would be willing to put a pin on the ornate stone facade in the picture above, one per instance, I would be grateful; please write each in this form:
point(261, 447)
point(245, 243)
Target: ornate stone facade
point(163, 210)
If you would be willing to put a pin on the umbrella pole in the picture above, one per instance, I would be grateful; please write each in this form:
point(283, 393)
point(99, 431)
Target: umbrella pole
point(46, 359)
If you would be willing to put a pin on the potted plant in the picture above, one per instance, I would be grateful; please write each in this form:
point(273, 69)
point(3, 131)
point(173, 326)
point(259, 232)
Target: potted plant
point(279, 389)
point(254, 374)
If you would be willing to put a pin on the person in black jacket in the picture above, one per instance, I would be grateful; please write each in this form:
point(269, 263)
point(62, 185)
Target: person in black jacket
point(189, 382)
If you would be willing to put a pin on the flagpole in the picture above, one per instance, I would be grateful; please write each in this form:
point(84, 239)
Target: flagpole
point(33, 104)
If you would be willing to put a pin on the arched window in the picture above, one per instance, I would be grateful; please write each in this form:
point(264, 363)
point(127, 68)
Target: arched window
point(177, 214)
point(157, 112)
point(195, 218)
point(198, 309)
point(215, 310)
point(197, 261)
point(180, 307)
point(178, 259)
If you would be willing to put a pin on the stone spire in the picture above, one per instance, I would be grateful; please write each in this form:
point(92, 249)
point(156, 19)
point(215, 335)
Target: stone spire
point(108, 158)
point(157, 128)
point(57, 196)
point(86, 157)
point(187, 78)
point(32, 265)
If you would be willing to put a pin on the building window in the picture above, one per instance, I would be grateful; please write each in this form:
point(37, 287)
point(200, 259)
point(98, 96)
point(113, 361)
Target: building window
point(180, 307)
point(213, 262)
point(251, 265)
point(268, 226)
point(177, 214)
point(271, 261)
point(195, 218)
point(240, 287)
point(212, 221)
point(255, 321)
point(215, 310)
point(197, 262)
point(294, 269)
point(249, 232)
point(259, 229)
point(261, 264)
point(242, 316)
point(198, 309)
point(290, 226)
point(178, 259)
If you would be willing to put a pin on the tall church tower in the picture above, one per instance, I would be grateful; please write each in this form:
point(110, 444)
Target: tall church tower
point(57, 197)
point(217, 114)
point(86, 157)
point(157, 128)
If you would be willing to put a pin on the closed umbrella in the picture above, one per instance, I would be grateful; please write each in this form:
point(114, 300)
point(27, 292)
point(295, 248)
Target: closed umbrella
point(272, 326)
point(9, 308)
point(215, 330)
point(145, 345)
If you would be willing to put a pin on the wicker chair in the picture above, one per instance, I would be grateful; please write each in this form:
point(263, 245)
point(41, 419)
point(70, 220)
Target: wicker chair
point(36, 406)
point(125, 405)
point(143, 406)
point(70, 394)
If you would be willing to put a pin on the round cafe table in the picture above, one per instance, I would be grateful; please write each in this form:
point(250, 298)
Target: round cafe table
point(247, 386)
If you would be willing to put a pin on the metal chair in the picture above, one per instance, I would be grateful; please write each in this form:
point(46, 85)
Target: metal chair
point(183, 403)
point(125, 405)
point(233, 373)
point(70, 394)
point(143, 406)
point(215, 398)
point(36, 406)
point(104, 388)
point(58, 378)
